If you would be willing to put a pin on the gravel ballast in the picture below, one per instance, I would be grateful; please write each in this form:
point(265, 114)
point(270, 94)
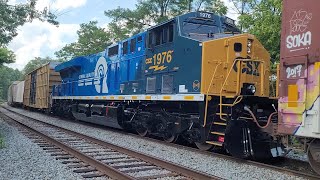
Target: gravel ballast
point(22, 159)
point(298, 155)
point(209, 164)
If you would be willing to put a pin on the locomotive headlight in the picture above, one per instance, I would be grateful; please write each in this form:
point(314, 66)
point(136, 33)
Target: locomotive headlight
point(251, 89)
point(249, 45)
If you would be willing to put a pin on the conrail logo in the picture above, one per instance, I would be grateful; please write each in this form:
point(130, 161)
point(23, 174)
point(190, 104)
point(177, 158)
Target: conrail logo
point(101, 72)
point(98, 77)
point(299, 38)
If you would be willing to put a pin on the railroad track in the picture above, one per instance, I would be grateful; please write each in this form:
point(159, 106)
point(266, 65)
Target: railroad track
point(298, 173)
point(95, 158)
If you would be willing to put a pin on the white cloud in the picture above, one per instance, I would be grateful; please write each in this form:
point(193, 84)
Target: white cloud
point(60, 5)
point(40, 39)
point(65, 4)
point(232, 13)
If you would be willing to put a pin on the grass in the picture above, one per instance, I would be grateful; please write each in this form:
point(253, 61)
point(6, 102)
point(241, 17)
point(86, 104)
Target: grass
point(1, 142)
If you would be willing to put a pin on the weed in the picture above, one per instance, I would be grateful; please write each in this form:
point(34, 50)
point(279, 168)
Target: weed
point(1, 142)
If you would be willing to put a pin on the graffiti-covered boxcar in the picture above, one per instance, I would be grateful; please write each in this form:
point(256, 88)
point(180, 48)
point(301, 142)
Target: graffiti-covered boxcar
point(299, 102)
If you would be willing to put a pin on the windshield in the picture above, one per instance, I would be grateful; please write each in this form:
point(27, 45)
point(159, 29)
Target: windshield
point(202, 29)
point(192, 28)
point(199, 29)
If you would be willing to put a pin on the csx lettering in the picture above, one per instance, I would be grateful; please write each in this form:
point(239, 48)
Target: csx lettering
point(251, 68)
point(294, 72)
point(160, 58)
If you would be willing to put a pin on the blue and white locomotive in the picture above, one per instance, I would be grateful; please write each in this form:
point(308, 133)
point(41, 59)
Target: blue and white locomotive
point(179, 78)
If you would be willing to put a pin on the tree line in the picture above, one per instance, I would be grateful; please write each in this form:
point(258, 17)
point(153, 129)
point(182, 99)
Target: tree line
point(259, 17)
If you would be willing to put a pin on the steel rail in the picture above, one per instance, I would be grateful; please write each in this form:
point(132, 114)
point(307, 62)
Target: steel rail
point(103, 168)
point(248, 162)
point(182, 170)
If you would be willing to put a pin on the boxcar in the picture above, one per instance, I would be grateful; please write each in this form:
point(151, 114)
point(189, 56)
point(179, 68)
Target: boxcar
point(38, 86)
point(15, 93)
point(299, 102)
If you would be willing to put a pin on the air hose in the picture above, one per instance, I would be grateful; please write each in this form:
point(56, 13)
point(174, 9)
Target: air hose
point(255, 119)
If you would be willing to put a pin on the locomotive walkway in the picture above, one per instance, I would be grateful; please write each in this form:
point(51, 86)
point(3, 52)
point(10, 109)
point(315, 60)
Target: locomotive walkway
point(98, 158)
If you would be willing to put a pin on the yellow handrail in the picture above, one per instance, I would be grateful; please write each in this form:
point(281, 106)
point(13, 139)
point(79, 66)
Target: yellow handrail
point(206, 107)
point(239, 98)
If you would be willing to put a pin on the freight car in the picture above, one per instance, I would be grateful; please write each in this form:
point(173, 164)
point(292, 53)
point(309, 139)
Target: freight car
point(15, 93)
point(38, 87)
point(299, 103)
point(193, 76)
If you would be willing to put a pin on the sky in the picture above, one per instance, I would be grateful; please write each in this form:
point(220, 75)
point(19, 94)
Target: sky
point(41, 39)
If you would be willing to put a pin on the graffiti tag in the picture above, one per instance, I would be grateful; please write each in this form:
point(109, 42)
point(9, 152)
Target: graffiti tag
point(294, 71)
point(299, 37)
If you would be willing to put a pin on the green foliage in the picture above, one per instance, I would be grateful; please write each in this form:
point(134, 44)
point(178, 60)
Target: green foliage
point(184, 6)
point(262, 18)
point(91, 39)
point(6, 56)
point(7, 76)
point(14, 16)
point(36, 63)
point(126, 22)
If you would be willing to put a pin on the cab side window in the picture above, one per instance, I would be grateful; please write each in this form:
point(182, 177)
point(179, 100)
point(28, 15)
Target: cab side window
point(171, 33)
point(113, 51)
point(132, 45)
point(125, 47)
point(161, 35)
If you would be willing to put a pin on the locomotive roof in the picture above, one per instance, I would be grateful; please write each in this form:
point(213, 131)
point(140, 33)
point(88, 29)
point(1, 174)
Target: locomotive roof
point(75, 62)
point(52, 65)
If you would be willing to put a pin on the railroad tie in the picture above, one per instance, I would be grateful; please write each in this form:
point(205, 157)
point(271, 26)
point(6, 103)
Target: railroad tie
point(79, 165)
point(142, 169)
point(85, 170)
point(64, 157)
point(93, 175)
point(157, 176)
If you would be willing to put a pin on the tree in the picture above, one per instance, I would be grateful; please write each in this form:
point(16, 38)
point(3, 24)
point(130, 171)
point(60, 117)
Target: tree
point(13, 16)
point(6, 56)
point(7, 76)
point(214, 6)
point(126, 22)
point(263, 19)
point(36, 63)
point(91, 39)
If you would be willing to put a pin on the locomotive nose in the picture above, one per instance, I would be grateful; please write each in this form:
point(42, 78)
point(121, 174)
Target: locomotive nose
point(236, 65)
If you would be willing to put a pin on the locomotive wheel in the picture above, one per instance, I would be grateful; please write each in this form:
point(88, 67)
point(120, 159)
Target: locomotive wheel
point(314, 155)
point(142, 131)
point(171, 138)
point(204, 146)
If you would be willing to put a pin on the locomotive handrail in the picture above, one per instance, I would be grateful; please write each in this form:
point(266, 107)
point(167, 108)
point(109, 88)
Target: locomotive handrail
point(207, 93)
point(239, 98)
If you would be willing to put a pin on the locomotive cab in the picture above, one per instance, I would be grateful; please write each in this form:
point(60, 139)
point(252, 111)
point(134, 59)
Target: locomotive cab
point(203, 54)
